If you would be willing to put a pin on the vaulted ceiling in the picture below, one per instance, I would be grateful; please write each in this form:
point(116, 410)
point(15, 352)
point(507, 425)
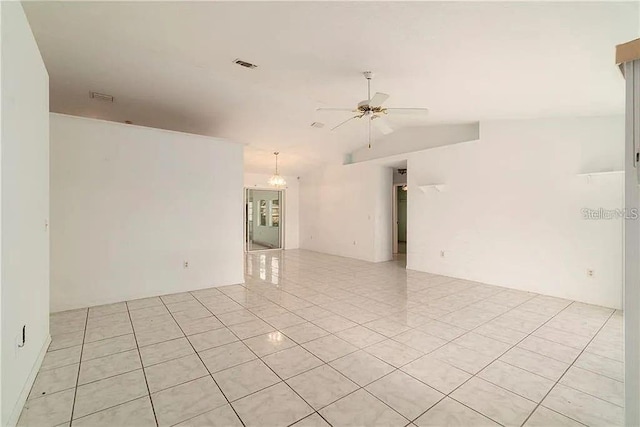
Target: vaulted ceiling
point(170, 65)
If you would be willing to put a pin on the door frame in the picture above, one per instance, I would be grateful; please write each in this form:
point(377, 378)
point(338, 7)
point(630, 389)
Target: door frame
point(394, 216)
point(245, 226)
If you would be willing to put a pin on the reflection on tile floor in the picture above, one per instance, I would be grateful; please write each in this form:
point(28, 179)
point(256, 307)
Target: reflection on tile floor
point(315, 340)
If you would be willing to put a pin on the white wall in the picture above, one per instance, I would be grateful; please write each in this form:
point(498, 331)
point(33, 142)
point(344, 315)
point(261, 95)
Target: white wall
point(632, 261)
point(291, 204)
point(130, 204)
point(346, 211)
point(511, 215)
point(415, 138)
point(25, 209)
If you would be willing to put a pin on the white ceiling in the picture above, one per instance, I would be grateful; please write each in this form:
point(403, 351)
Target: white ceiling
point(169, 65)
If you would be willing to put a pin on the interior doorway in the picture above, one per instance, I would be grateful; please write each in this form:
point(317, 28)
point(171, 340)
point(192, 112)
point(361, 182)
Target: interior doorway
point(400, 218)
point(263, 219)
point(401, 221)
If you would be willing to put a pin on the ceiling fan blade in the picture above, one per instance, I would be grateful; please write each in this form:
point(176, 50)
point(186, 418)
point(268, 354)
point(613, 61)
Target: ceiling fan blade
point(382, 125)
point(351, 110)
point(378, 99)
point(421, 111)
point(345, 122)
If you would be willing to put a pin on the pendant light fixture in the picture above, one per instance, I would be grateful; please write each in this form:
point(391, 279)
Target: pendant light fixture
point(276, 180)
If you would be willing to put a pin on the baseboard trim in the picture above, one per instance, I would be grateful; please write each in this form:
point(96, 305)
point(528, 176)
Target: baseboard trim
point(24, 394)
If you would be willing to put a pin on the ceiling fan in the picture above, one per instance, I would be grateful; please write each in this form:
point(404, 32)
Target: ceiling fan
point(372, 110)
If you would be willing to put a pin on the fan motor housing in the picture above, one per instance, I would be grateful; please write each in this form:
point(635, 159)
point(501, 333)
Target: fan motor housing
point(364, 107)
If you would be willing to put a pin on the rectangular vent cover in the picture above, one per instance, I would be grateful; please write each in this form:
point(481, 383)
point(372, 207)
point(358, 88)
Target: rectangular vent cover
point(245, 63)
point(101, 96)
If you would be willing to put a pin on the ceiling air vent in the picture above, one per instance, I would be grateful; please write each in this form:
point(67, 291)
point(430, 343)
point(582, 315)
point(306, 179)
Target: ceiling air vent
point(101, 96)
point(245, 64)
point(317, 125)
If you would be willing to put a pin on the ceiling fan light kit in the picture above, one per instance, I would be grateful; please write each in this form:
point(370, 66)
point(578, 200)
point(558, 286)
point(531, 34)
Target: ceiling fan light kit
point(372, 109)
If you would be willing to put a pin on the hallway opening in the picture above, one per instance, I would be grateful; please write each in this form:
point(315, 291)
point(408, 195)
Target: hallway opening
point(263, 219)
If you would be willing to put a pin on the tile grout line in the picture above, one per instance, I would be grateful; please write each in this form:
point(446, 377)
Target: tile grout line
point(465, 306)
point(317, 411)
point(448, 395)
point(75, 391)
point(109, 407)
point(385, 316)
point(449, 341)
point(497, 358)
point(358, 349)
point(100, 379)
point(202, 361)
point(133, 370)
point(553, 381)
point(266, 364)
point(144, 373)
point(515, 345)
point(328, 364)
point(566, 370)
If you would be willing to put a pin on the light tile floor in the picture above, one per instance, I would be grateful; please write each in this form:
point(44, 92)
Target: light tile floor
point(315, 340)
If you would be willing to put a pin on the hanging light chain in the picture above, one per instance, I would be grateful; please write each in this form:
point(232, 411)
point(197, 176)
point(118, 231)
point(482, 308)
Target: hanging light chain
point(276, 153)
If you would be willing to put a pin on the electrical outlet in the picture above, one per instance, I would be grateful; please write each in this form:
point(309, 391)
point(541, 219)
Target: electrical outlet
point(186, 264)
point(589, 272)
point(442, 254)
